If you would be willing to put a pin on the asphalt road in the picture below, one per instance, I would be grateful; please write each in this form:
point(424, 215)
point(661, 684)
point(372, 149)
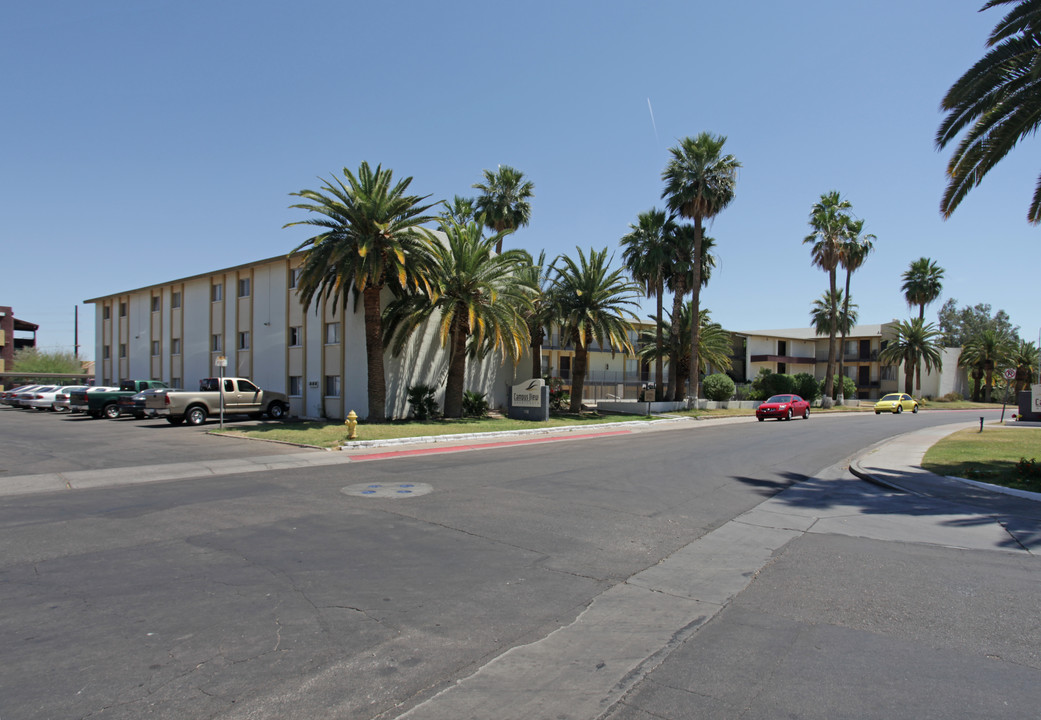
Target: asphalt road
point(280, 595)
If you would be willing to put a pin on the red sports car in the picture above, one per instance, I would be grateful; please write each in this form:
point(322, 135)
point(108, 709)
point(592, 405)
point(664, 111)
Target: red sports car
point(783, 407)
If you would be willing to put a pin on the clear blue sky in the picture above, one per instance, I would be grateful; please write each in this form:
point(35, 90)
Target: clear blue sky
point(148, 141)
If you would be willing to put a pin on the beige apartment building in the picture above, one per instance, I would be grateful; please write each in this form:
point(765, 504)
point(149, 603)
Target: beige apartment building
point(251, 316)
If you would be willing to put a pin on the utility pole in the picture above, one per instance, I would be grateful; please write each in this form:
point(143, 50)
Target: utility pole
point(76, 331)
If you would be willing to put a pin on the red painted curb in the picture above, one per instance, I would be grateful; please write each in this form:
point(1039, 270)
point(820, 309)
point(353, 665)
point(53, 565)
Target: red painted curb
point(481, 446)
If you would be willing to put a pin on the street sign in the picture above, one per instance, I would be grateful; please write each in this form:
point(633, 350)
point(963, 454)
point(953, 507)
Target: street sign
point(222, 361)
point(1010, 374)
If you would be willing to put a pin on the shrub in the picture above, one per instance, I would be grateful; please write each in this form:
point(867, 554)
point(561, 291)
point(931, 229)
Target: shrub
point(771, 383)
point(849, 388)
point(474, 404)
point(1027, 469)
point(421, 398)
point(718, 387)
point(559, 398)
point(806, 386)
point(951, 397)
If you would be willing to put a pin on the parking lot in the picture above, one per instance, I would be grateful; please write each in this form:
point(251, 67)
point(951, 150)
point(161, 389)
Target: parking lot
point(46, 442)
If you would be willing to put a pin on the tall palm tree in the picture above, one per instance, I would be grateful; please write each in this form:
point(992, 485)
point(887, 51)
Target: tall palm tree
point(916, 343)
point(999, 100)
point(715, 350)
point(830, 221)
point(478, 298)
point(462, 210)
point(699, 184)
point(853, 251)
point(539, 315)
point(985, 352)
point(504, 200)
point(370, 227)
point(1024, 359)
point(820, 314)
point(680, 279)
point(592, 303)
point(922, 283)
point(646, 252)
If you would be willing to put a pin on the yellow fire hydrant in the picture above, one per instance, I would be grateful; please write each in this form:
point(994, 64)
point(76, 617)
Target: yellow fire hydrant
point(352, 425)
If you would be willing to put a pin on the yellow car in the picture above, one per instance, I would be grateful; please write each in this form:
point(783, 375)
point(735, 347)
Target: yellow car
point(896, 403)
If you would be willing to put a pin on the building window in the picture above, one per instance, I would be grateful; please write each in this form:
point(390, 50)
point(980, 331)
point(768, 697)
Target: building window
point(106, 313)
point(296, 386)
point(175, 346)
point(244, 287)
point(332, 386)
point(156, 303)
point(176, 382)
point(122, 309)
point(243, 341)
point(332, 333)
point(106, 352)
point(294, 276)
point(217, 343)
point(175, 299)
point(296, 336)
point(155, 348)
point(122, 350)
point(216, 292)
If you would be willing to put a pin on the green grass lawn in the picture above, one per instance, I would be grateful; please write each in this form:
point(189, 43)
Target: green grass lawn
point(992, 456)
point(332, 434)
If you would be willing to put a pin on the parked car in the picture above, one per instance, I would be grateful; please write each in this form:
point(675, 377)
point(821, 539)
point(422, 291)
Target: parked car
point(896, 403)
point(240, 397)
point(43, 398)
point(783, 407)
point(137, 405)
point(78, 398)
point(104, 402)
point(7, 396)
point(61, 399)
point(21, 399)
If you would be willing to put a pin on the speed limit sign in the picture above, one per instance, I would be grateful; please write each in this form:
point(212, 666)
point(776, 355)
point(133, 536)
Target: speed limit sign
point(1010, 374)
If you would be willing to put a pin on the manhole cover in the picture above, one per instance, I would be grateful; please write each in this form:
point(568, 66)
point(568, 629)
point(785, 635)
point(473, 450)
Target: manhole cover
point(387, 490)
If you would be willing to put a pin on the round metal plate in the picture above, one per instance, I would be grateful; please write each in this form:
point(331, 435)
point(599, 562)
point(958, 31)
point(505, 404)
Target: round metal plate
point(387, 490)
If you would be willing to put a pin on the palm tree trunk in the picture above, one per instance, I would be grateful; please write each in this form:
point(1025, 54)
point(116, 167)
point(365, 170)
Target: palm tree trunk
point(659, 341)
point(908, 377)
point(829, 379)
point(578, 380)
point(377, 380)
point(537, 336)
point(695, 308)
point(456, 370)
point(675, 341)
point(842, 345)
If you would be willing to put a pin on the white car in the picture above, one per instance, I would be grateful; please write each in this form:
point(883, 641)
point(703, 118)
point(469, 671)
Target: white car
point(21, 398)
point(61, 400)
point(7, 396)
point(43, 398)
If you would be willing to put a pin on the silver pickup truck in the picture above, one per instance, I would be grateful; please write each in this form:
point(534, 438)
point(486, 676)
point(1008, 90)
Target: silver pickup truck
point(241, 397)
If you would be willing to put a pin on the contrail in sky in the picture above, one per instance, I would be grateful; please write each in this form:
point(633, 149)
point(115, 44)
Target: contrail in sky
point(653, 125)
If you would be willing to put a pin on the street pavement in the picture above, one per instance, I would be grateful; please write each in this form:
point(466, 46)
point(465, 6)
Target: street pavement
point(909, 595)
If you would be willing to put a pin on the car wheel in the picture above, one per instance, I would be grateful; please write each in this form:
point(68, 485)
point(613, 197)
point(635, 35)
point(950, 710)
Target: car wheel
point(195, 415)
point(789, 414)
point(899, 409)
point(914, 409)
point(760, 419)
point(806, 414)
point(276, 411)
point(175, 420)
point(110, 411)
point(878, 412)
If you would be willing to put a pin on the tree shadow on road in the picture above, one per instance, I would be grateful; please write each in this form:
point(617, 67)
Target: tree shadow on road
point(959, 507)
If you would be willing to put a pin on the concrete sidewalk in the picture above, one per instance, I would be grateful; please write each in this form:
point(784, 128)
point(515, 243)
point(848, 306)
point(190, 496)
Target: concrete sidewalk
point(604, 663)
